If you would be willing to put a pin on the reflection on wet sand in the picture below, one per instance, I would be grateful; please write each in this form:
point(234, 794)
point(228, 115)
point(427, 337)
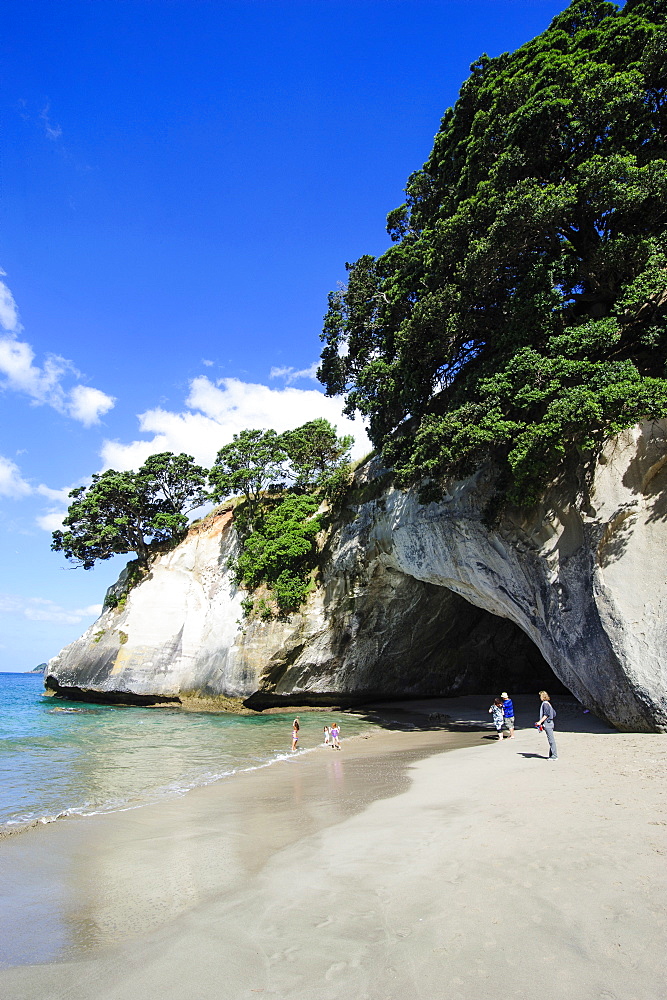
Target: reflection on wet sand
point(85, 884)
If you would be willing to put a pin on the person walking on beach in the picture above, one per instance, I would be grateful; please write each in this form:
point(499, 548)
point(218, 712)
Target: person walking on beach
point(508, 712)
point(327, 736)
point(335, 736)
point(546, 721)
point(295, 734)
point(498, 716)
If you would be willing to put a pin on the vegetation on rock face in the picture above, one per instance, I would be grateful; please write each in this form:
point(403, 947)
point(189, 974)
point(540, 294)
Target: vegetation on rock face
point(139, 512)
point(116, 596)
point(279, 553)
point(522, 312)
point(282, 479)
point(278, 522)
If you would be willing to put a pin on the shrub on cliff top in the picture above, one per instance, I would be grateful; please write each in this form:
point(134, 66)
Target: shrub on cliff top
point(279, 552)
point(522, 310)
point(144, 511)
point(277, 522)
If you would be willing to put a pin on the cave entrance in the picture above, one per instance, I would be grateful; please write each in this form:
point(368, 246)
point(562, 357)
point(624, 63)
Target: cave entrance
point(492, 654)
point(441, 645)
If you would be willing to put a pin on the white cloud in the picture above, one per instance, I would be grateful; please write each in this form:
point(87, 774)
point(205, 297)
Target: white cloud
point(51, 521)
point(9, 314)
point(214, 413)
point(51, 130)
point(39, 609)
point(43, 384)
point(218, 410)
point(60, 496)
point(88, 405)
point(12, 483)
point(291, 375)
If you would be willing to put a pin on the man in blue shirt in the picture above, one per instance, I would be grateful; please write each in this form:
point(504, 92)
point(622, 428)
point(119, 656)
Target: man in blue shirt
point(508, 711)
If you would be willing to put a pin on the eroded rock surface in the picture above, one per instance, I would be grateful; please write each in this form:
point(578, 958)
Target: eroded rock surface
point(419, 600)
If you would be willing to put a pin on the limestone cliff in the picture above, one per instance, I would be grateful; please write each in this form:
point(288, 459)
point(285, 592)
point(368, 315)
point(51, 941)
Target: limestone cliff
point(417, 600)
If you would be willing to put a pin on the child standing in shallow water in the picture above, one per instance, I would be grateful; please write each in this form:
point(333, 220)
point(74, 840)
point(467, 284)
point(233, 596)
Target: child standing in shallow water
point(327, 736)
point(335, 736)
point(295, 733)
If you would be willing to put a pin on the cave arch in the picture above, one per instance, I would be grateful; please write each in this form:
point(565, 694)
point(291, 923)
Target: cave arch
point(399, 638)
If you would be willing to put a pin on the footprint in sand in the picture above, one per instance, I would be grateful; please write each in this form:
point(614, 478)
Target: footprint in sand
point(288, 955)
point(338, 967)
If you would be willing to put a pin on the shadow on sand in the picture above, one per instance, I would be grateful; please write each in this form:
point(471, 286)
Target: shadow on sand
point(470, 714)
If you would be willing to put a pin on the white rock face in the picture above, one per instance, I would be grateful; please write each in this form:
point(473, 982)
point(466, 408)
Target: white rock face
point(584, 580)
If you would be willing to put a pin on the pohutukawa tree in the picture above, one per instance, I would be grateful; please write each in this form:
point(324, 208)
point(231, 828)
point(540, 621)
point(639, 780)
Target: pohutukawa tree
point(279, 527)
point(316, 455)
point(247, 466)
point(140, 512)
point(521, 312)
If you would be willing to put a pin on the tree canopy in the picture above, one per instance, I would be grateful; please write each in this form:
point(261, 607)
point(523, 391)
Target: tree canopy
point(144, 511)
point(122, 512)
point(248, 465)
point(521, 311)
point(277, 522)
point(316, 454)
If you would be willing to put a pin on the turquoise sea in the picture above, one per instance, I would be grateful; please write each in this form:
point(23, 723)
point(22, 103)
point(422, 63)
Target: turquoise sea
point(59, 758)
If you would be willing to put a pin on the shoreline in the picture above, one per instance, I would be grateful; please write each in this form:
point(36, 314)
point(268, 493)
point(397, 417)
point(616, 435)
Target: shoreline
point(389, 716)
point(390, 868)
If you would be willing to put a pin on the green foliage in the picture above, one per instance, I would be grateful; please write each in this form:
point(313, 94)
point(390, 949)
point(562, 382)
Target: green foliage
point(146, 511)
point(278, 552)
point(116, 597)
point(121, 512)
point(283, 539)
point(278, 526)
point(522, 311)
point(317, 455)
point(113, 601)
point(177, 485)
point(248, 465)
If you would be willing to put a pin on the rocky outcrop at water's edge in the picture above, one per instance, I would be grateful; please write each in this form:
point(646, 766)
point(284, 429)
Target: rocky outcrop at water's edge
point(416, 600)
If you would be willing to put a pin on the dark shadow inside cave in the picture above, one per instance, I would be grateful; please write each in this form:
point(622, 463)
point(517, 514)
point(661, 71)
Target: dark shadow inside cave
point(479, 652)
point(405, 638)
point(402, 638)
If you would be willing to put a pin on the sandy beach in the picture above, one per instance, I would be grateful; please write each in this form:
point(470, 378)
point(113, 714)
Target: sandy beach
point(396, 868)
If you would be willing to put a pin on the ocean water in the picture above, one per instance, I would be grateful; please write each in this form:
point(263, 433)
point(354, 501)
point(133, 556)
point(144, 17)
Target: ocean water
point(59, 758)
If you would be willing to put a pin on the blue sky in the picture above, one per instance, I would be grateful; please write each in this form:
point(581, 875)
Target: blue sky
point(182, 182)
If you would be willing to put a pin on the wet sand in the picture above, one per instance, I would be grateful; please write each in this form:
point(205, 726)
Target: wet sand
point(387, 870)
